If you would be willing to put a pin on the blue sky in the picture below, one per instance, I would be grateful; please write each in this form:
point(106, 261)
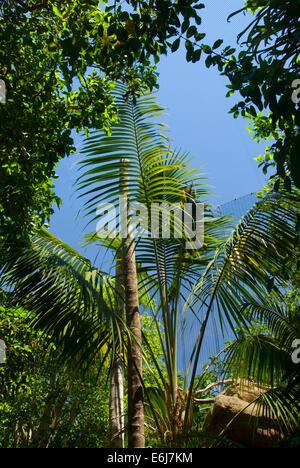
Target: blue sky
point(199, 124)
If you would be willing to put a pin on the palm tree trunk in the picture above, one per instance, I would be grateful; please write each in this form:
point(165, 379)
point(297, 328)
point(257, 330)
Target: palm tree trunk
point(116, 404)
point(136, 433)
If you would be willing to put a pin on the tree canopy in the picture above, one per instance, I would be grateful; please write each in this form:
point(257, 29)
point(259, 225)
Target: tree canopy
point(58, 313)
point(266, 75)
point(58, 63)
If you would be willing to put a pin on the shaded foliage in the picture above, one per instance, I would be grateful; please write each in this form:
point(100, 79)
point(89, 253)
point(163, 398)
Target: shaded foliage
point(43, 402)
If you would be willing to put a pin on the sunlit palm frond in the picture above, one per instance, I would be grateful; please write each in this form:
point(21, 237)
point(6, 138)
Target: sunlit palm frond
point(154, 172)
point(250, 262)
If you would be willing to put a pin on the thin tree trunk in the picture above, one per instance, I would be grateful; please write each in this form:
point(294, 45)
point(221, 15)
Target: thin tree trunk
point(72, 417)
point(116, 404)
point(57, 411)
point(136, 432)
point(40, 436)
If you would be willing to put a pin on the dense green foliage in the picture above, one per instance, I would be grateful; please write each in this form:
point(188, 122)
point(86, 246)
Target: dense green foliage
point(44, 403)
point(266, 74)
point(41, 109)
point(220, 277)
point(59, 320)
point(56, 59)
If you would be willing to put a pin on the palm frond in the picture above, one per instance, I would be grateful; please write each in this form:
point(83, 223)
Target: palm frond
point(71, 301)
point(156, 173)
point(248, 264)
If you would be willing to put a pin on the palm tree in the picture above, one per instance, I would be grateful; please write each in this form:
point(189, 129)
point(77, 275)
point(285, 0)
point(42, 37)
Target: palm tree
point(77, 306)
point(151, 175)
point(220, 275)
point(116, 405)
point(71, 300)
point(263, 353)
point(251, 273)
point(136, 435)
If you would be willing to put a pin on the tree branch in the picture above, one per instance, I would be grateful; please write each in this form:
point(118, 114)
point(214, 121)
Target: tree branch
point(220, 382)
point(204, 400)
point(204, 409)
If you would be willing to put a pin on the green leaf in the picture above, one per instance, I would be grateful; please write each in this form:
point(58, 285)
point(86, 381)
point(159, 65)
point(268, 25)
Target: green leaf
point(112, 28)
point(208, 61)
point(206, 49)
point(218, 43)
point(122, 34)
point(197, 55)
point(192, 31)
point(185, 26)
point(175, 45)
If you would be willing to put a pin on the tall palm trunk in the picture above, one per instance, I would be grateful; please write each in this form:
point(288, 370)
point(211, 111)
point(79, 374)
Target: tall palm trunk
point(116, 403)
point(136, 435)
